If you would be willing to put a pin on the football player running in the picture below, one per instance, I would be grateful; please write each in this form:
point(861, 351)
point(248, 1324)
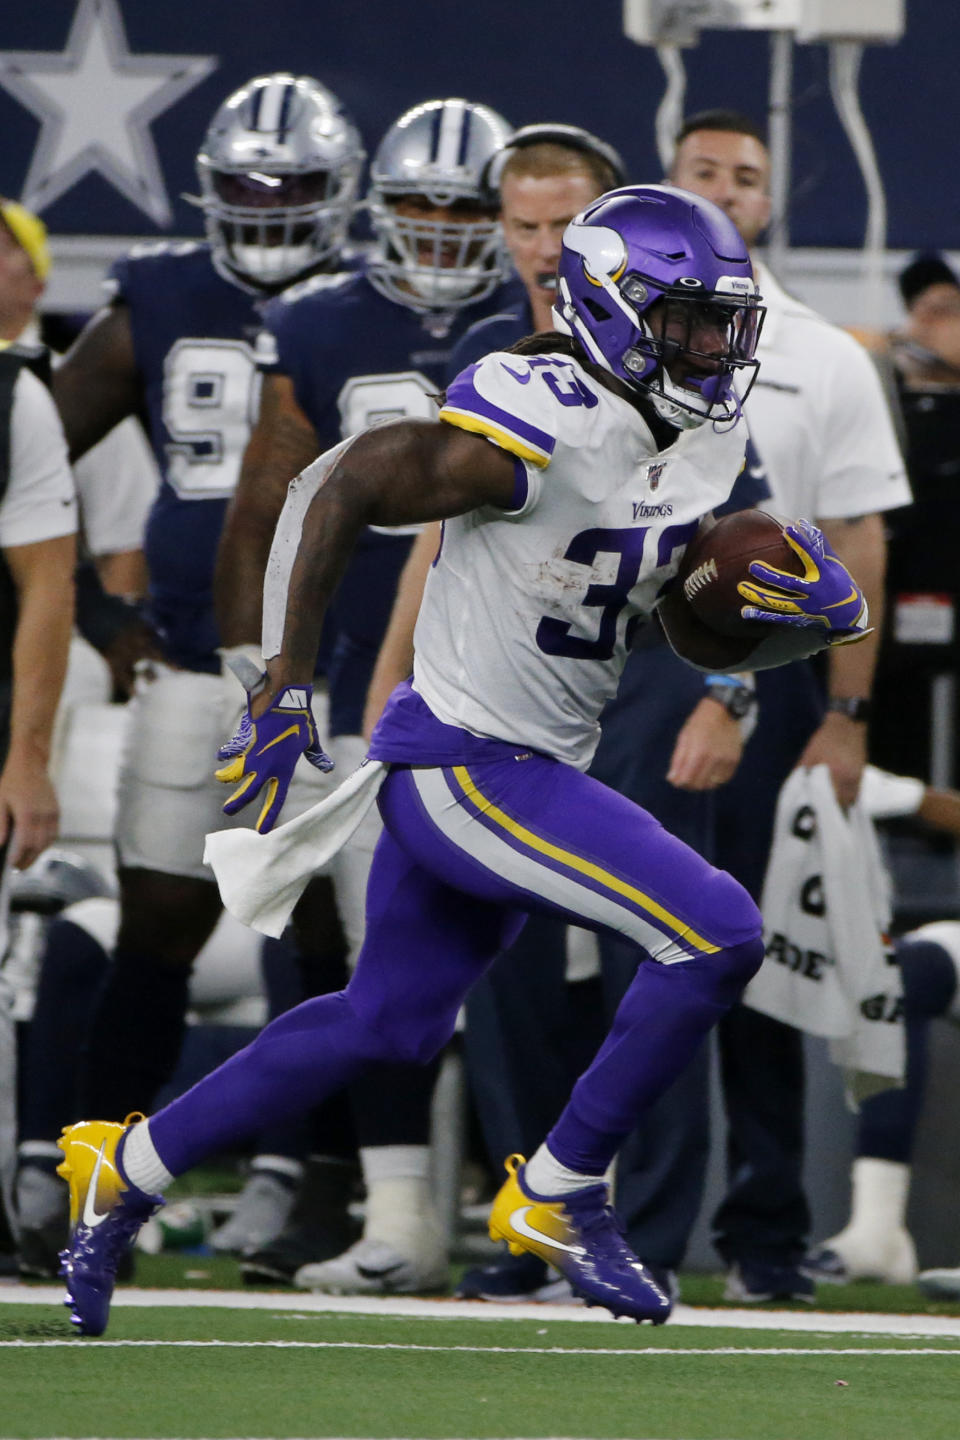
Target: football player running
point(542, 580)
point(279, 171)
point(341, 353)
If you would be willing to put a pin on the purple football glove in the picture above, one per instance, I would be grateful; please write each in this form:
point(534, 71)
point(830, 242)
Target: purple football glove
point(824, 597)
point(265, 751)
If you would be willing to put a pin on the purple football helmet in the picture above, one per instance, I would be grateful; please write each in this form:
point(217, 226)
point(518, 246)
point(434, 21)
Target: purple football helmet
point(643, 244)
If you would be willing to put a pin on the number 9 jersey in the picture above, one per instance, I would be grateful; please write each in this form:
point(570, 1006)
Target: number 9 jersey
point(528, 615)
point(193, 335)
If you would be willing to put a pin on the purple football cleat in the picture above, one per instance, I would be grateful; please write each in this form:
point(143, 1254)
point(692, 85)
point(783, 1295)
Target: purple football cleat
point(105, 1214)
point(579, 1235)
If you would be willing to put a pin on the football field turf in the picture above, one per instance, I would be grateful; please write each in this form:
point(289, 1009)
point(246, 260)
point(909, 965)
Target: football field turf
point(176, 1364)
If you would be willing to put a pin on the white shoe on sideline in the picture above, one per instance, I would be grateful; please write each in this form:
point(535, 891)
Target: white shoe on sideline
point(262, 1210)
point(375, 1267)
point(940, 1284)
point(860, 1254)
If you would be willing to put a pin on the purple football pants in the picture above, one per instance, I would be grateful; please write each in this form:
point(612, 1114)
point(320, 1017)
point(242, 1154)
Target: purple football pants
point(467, 852)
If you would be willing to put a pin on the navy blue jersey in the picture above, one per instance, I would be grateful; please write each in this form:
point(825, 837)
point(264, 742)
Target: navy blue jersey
point(514, 321)
point(194, 335)
point(499, 331)
point(355, 358)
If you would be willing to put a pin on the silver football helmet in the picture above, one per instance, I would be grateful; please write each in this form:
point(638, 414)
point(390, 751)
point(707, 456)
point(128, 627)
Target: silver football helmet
point(279, 169)
point(434, 157)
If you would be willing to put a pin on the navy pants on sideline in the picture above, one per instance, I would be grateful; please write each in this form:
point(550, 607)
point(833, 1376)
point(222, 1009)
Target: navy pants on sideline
point(661, 1170)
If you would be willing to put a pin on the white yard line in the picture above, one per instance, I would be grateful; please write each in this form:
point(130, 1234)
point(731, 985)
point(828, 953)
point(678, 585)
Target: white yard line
point(740, 1351)
point(806, 1322)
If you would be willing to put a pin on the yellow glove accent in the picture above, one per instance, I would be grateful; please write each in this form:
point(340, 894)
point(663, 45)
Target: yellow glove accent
point(764, 599)
point(232, 771)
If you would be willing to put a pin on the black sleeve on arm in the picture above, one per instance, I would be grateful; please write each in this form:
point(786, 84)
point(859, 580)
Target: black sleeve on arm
point(101, 617)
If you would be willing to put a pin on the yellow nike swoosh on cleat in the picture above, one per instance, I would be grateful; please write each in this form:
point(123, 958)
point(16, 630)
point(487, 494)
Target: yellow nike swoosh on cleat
point(293, 730)
point(92, 1217)
point(518, 1221)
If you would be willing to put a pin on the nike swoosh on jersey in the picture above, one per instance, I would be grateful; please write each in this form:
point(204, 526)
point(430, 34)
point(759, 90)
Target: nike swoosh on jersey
point(518, 1221)
point(523, 378)
point(91, 1215)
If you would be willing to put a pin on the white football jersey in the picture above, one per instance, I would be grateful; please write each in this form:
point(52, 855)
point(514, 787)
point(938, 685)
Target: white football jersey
point(528, 615)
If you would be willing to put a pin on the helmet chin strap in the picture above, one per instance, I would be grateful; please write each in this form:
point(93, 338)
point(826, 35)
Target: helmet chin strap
point(673, 410)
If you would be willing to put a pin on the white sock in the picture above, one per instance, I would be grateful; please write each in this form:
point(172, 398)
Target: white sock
point(880, 1191)
point(945, 933)
point(400, 1209)
point(394, 1162)
point(400, 1212)
point(140, 1162)
point(545, 1176)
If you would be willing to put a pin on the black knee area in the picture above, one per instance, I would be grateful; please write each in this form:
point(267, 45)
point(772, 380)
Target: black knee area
point(392, 1104)
point(319, 938)
point(929, 978)
point(135, 1035)
point(72, 959)
point(71, 974)
point(168, 917)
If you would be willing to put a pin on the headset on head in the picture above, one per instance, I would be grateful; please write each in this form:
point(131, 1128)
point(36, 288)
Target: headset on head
point(571, 137)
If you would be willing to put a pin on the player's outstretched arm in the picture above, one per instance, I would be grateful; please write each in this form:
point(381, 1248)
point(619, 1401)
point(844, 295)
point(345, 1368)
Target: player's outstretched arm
point(283, 443)
point(401, 473)
point(98, 384)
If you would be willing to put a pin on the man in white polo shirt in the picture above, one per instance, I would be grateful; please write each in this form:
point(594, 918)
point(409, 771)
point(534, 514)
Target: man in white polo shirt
point(819, 421)
point(38, 522)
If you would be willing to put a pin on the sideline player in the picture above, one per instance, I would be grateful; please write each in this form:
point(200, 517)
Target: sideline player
point(541, 581)
point(347, 351)
point(279, 169)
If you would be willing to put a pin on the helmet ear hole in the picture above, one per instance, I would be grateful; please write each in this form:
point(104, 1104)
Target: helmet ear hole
point(599, 312)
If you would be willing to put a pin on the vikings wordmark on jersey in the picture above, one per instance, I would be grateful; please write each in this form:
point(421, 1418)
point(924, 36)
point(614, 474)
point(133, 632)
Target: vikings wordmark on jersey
point(564, 579)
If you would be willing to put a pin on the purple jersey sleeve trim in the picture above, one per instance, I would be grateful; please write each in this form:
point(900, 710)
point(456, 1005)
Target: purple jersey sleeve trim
point(521, 485)
point(466, 407)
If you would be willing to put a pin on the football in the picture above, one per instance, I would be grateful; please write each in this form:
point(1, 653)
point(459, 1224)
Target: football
point(717, 561)
point(701, 613)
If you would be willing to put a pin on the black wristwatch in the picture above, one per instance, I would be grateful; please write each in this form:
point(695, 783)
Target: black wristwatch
point(736, 698)
point(855, 707)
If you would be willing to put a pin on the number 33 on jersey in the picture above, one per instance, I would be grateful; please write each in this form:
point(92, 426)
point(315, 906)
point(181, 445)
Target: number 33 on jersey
point(600, 521)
